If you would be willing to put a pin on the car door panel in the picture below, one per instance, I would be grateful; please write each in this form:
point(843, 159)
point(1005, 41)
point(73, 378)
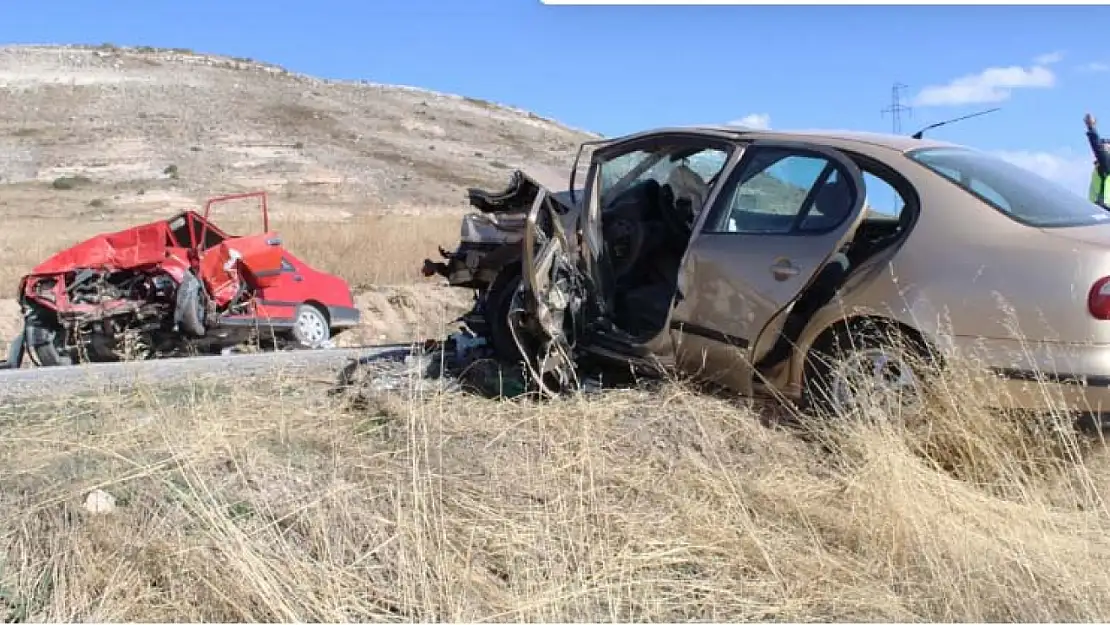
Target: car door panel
point(278, 301)
point(744, 267)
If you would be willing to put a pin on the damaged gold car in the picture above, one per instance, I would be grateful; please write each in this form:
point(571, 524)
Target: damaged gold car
point(798, 263)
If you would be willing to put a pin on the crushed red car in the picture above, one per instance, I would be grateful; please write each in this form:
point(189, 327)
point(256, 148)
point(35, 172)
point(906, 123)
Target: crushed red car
point(175, 287)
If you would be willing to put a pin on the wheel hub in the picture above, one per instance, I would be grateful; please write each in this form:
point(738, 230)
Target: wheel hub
point(311, 327)
point(876, 380)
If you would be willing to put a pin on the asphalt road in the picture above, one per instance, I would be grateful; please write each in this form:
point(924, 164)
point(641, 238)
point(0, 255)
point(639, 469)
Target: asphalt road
point(41, 382)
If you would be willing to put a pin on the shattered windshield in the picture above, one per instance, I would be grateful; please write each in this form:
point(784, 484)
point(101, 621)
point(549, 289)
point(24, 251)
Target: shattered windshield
point(634, 167)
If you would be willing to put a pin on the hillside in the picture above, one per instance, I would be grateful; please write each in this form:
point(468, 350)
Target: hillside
point(155, 128)
point(93, 139)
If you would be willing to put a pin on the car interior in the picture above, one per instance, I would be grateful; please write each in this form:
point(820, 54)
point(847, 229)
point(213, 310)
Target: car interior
point(647, 223)
point(188, 226)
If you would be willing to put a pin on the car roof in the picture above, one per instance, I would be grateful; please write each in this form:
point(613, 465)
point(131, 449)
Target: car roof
point(899, 143)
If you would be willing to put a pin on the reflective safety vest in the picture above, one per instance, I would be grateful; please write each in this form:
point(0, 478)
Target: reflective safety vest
point(1097, 190)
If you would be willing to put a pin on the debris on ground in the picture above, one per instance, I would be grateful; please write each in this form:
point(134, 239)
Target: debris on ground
point(463, 362)
point(100, 502)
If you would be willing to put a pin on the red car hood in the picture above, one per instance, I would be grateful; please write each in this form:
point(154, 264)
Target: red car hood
point(134, 247)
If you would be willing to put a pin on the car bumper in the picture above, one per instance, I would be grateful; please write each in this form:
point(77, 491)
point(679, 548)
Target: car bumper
point(344, 316)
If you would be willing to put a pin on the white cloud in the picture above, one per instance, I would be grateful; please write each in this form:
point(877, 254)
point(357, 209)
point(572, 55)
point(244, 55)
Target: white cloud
point(762, 121)
point(993, 84)
point(1050, 58)
point(1095, 67)
point(1068, 168)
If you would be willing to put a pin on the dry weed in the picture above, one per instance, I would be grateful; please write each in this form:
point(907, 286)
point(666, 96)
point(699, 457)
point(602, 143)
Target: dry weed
point(270, 502)
point(372, 249)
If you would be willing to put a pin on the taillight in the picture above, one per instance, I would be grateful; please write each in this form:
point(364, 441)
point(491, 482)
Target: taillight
point(1098, 300)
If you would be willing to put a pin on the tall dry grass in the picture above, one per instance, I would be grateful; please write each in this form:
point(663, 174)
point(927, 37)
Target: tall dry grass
point(272, 501)
point(370, 250)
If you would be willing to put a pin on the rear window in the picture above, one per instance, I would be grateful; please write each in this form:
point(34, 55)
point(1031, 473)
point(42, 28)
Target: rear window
point(1022, 194)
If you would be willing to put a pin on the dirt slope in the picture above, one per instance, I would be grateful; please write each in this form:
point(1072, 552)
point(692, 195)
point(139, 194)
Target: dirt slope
point(179, 126)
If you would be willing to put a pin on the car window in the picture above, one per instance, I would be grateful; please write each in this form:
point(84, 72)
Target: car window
point(707, 163)
point(212, 237)
point(613, 170)
point(1023, 195)
point(179, 229)
point(626, 170)
point(883, 201)
point(785, 186)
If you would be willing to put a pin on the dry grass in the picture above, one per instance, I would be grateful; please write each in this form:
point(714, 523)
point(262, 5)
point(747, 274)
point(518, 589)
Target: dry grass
point(272, 502)
point(366, 250)
point(372, 249)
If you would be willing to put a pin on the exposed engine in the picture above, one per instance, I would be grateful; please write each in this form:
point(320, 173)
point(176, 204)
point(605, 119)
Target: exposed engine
point(120, 315)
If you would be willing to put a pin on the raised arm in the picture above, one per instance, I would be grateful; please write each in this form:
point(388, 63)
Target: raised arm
point(1102, 159)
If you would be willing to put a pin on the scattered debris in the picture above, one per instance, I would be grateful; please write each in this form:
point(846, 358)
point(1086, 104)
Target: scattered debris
point(463, 362)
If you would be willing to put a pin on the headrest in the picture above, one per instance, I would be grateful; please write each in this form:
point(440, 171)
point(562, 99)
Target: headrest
point(834, 200)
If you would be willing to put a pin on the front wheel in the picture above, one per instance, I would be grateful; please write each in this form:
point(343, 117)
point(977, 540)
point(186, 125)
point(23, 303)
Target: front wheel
point(310, 328)
point(45, 339)
point(868, 372)
point(499, 301)
point(16, 351)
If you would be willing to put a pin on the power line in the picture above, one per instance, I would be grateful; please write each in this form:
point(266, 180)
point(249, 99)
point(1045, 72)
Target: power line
point(896, 108)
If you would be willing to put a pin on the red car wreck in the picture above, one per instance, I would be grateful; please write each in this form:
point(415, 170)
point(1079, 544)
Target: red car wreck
point(175, 287)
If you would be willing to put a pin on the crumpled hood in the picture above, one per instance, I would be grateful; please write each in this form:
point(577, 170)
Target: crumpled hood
point(134, 247)
point(521, 191)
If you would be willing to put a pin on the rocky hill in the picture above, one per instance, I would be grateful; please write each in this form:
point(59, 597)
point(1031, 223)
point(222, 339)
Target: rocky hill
point(156, 127)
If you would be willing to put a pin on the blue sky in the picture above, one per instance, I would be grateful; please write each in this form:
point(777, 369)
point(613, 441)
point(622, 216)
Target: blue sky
point(618, 69)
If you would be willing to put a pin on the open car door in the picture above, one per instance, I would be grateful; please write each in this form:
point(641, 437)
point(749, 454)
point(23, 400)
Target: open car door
point(229, 266)
point(557, 287)
point(262, 206)
point(784, 210)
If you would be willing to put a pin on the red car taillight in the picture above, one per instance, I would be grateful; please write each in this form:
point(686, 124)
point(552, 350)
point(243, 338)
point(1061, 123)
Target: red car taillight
point(1098, 299)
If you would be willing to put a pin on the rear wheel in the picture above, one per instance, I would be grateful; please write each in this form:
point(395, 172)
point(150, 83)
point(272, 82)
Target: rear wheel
point(868, 371)
point(310, 327)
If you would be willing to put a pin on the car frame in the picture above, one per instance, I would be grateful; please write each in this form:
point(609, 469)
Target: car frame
point(1017, 278)
point(174, 286)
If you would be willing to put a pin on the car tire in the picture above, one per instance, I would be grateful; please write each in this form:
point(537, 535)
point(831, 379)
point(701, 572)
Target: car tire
point(311, 329)
point(190, 307)
point(499, 301)
point(891, 366)
point(16, 351)
point(42, 336)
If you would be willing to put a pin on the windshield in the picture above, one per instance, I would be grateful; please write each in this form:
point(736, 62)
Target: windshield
point(1023, 195)
point(621, 172)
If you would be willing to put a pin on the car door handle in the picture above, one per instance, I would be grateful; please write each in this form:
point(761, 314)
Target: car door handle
point(298, 278)
point(783, 270)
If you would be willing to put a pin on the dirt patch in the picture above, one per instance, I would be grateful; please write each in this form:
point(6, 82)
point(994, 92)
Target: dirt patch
point(395, 314)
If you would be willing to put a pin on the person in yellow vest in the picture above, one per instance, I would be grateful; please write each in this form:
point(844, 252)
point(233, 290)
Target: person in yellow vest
point(1101, 149)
